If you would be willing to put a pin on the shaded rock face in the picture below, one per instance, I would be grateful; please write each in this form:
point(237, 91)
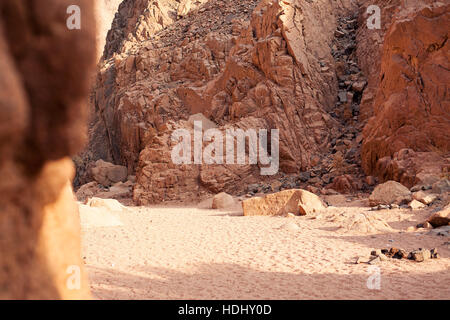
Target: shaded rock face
point(260, 67)
point(42, 114)
point(407, 100)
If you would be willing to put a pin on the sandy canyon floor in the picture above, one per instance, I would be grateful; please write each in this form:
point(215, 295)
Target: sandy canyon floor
point(186, 252)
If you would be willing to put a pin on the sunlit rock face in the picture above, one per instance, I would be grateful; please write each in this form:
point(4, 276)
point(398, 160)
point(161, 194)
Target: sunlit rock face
point(259, 66)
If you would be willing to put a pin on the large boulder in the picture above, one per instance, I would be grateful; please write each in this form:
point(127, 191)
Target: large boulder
point(295, 201)
point(440, 218)
point(360, 223)
point(390, 192)
point(108, 174)
point(346, 184)
point(222, 201)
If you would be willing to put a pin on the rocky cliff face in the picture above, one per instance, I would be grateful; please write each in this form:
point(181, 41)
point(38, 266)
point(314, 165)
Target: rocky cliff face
point(44, 82)
point(407, 102)
point(271, 65)
point(264, 65)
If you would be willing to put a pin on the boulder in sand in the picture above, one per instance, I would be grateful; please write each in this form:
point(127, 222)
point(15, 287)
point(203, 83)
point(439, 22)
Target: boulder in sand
point(416, 205)
point(360, 223)
point(108, 204)
point(390, 192)
point(296, 201)
point(87, 191)
point(108, 174)
point(440, 218)
point(425, 198)
point(222, 201)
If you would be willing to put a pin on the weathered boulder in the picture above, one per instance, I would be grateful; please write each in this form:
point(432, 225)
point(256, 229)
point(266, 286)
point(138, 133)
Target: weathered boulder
point(296, 201)
point(360, 223)
point(107, 173)
point(345, 184)
point(222, 201)
point(388, 193)
point(420, 255)
point(87, 191)
point(109, 204)
point(424, 197)
point(416, 205)
point(440, 218)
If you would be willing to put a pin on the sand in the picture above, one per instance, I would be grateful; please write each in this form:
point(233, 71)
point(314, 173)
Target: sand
point(184, 252)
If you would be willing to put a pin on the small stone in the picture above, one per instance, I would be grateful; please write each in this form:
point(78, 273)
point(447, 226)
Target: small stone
point(359, 86)
point(420, 255)
point(222, 201)
point(342, 96)
point(371, 181)
point(423, 197)
point(400, 254)
point(416, 205)
point(291, 215)
point(434, 253)
point(304, 176)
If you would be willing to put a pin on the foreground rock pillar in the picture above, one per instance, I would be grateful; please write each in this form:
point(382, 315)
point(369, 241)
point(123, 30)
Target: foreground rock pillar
point(45, 73)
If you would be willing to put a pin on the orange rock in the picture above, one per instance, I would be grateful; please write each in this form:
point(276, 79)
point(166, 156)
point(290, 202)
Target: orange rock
point(441, 218)
point(345, 184)
point(296, 201)
point(409, 108)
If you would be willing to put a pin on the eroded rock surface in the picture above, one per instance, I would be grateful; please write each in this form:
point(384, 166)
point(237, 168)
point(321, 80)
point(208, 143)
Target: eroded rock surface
point(407, 100)
point(261, 67)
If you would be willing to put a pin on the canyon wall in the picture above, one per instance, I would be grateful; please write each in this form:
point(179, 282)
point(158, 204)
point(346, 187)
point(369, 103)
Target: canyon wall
point(407, 103)
point(45, 82)
point(264, 65)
